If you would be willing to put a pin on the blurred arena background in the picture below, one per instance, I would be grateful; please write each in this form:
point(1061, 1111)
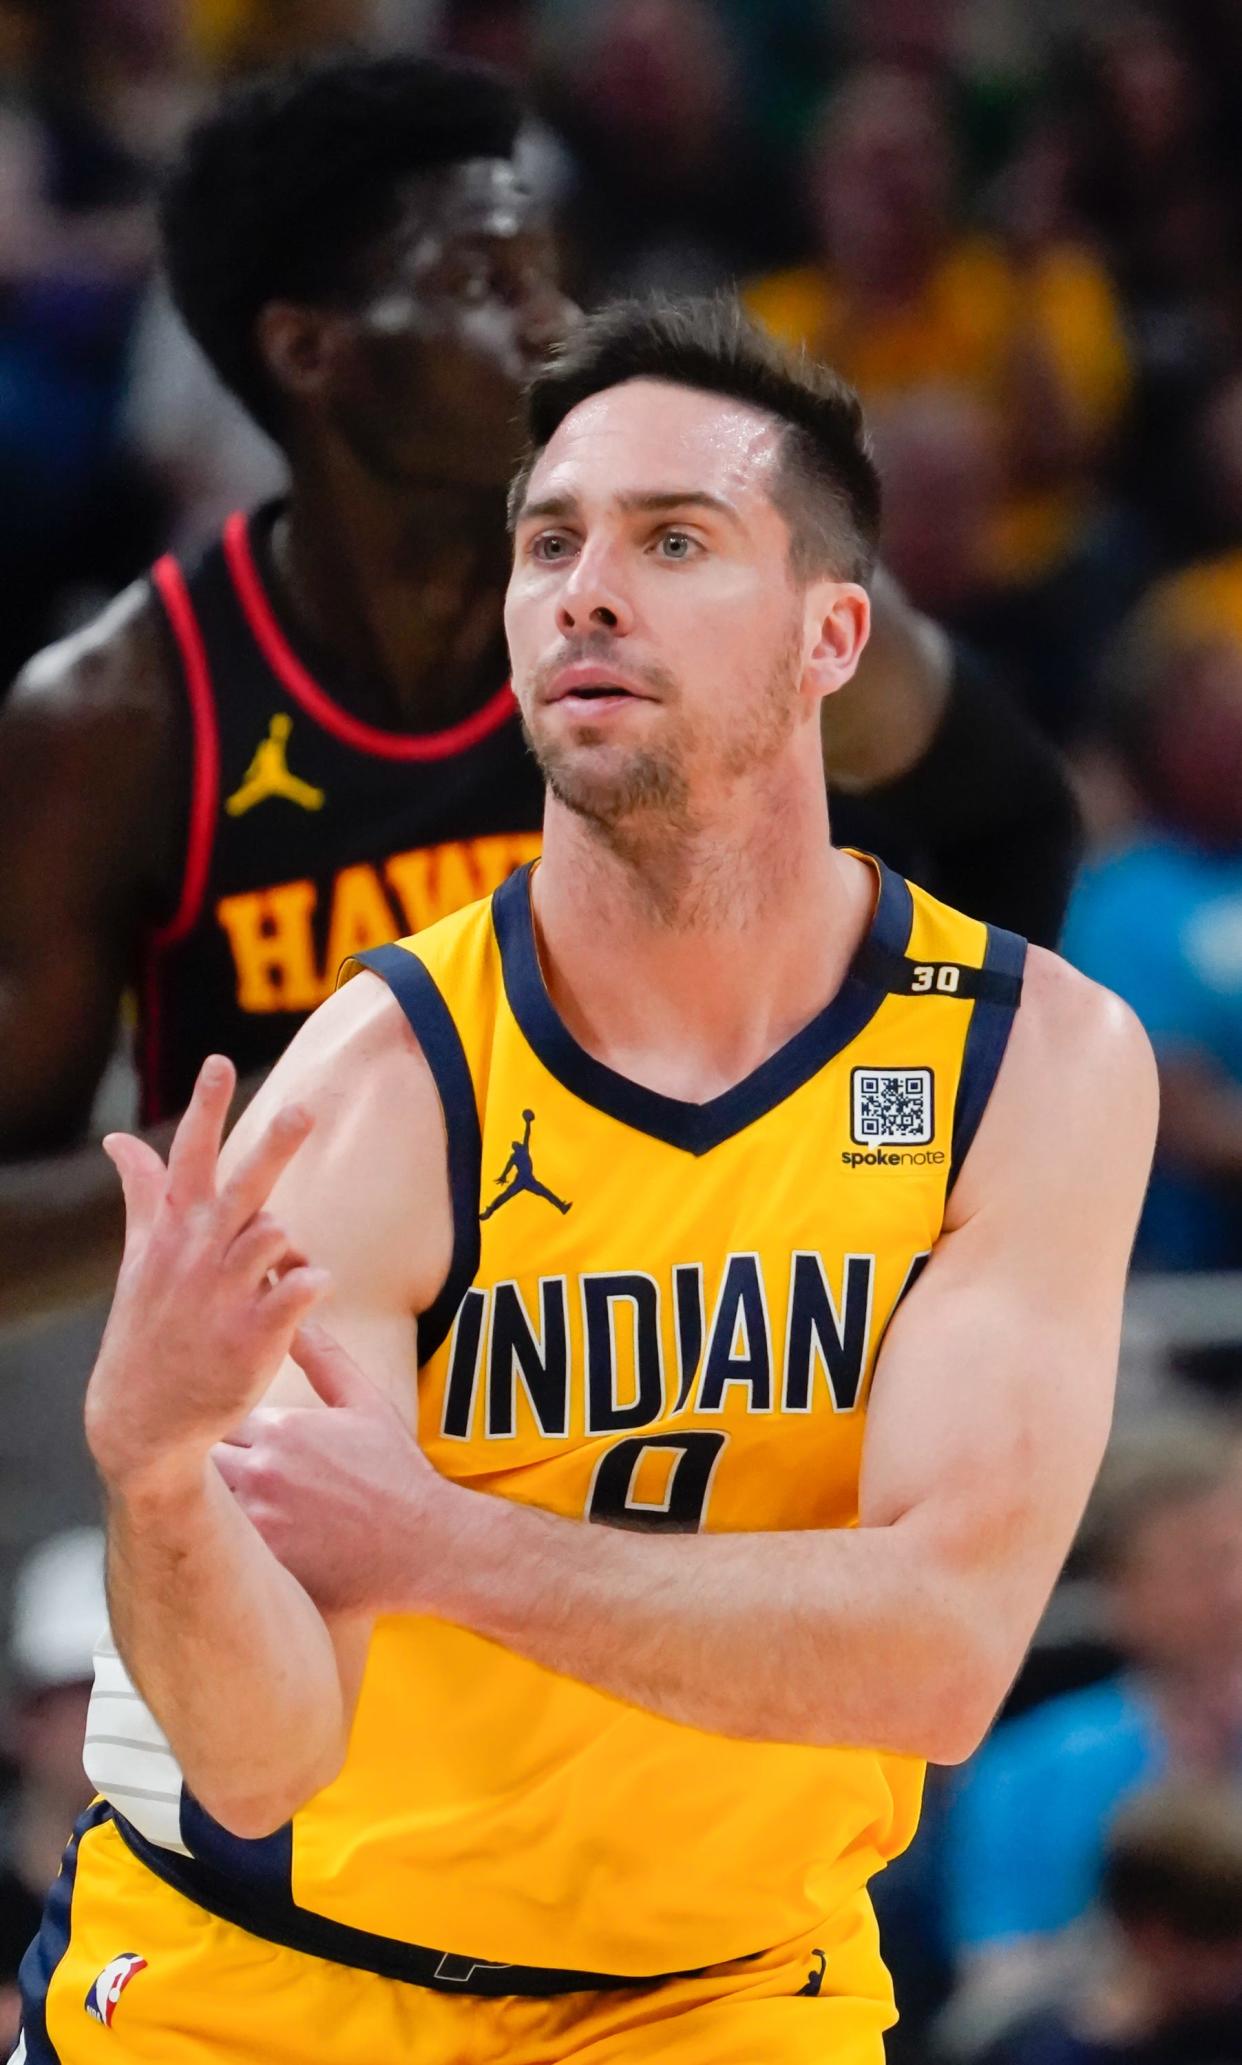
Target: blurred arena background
point(1019, 233)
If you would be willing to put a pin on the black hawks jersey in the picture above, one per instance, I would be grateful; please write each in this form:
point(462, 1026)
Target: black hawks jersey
point(311, 836)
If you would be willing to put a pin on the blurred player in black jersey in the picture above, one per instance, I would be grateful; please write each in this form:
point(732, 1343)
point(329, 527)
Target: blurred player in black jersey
point(246, 770)
point(305, 743)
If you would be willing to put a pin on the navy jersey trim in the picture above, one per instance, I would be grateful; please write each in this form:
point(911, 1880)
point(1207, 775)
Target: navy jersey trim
point(696, 1128)
point(264, 1863)
point(901, 976)
point(39, 1964)
point(415, 990)
point(274, 1916)
point(991, 1022)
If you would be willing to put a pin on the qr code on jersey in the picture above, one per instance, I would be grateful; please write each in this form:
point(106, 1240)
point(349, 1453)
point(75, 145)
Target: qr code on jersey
point(893, 1107)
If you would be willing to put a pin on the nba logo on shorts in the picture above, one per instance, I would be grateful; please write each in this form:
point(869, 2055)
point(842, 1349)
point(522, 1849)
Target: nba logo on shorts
point(112, 1981)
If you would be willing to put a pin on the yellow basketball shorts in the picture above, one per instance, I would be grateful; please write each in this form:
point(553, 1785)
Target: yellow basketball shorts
point(127, 1969)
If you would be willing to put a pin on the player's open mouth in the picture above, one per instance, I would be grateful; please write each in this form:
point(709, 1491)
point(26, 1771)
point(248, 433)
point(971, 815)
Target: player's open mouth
point(602, 694)
point(590, 690)
point(583, 686)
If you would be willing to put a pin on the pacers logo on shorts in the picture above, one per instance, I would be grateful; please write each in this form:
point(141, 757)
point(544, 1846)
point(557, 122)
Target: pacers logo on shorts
point(101, 2001)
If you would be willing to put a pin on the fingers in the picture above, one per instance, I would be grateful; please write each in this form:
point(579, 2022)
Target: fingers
point(289, 1303)
point(142, 1175)
point(195, 1149)
point(233, 1456)
point(330, 1370)
point(252, 1181)
point(250, 1429)
point(261, 1246)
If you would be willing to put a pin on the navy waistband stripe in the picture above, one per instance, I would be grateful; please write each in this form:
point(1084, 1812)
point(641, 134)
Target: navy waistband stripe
point(296, 1928)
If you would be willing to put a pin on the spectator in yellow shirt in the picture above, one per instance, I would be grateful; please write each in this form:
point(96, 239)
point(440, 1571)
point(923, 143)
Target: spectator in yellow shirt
point(904, 298)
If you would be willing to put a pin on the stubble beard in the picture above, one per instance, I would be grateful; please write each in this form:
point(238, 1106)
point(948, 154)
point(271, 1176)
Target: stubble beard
point(607, 785)
point(609, 792)
point(639, 804)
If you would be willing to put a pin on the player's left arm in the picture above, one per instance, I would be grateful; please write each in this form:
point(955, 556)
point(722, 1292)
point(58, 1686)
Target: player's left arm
point(989, 1412)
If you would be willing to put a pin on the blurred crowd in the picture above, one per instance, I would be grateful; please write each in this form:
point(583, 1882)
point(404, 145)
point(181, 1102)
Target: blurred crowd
point(1018, 240)
point(1017, 232)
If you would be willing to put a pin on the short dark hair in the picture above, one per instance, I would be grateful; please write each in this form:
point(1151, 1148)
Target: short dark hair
point(827, 488)
point(283, 189)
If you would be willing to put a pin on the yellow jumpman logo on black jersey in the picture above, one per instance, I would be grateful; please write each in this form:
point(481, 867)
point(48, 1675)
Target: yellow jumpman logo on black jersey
point(268, 775)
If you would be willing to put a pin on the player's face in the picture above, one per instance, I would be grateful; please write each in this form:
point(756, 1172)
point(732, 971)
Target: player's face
point(462, 305)
point(662, 652)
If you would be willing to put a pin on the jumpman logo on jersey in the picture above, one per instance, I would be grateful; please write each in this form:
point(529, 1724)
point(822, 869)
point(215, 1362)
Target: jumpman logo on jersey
point(268, 775)
point(519, 1166)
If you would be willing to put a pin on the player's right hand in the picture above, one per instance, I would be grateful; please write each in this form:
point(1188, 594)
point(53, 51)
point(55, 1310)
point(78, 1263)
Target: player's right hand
point(209, 1295)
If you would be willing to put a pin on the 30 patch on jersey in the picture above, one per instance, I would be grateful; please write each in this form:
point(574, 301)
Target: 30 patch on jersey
point(106, 1991)
point(893, 1107)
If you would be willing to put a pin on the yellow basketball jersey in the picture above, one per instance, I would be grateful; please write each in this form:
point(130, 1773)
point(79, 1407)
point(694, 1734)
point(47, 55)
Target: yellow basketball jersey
point(659, 1315)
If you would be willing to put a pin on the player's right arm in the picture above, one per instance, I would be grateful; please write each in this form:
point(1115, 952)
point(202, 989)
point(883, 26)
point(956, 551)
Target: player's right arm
point(88, 788)
point(333, 1188)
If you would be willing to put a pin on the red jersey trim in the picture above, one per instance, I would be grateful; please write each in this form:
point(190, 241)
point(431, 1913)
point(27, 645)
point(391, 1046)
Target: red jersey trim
point(365, 738)
point(170, 584)
point(205, 791)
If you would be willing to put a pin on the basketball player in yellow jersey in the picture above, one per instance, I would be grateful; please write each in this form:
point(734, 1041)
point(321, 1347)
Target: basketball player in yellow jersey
point(709, 1182)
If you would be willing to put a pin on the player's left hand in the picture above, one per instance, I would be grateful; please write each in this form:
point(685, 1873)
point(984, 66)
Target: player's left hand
point(345, 1499)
